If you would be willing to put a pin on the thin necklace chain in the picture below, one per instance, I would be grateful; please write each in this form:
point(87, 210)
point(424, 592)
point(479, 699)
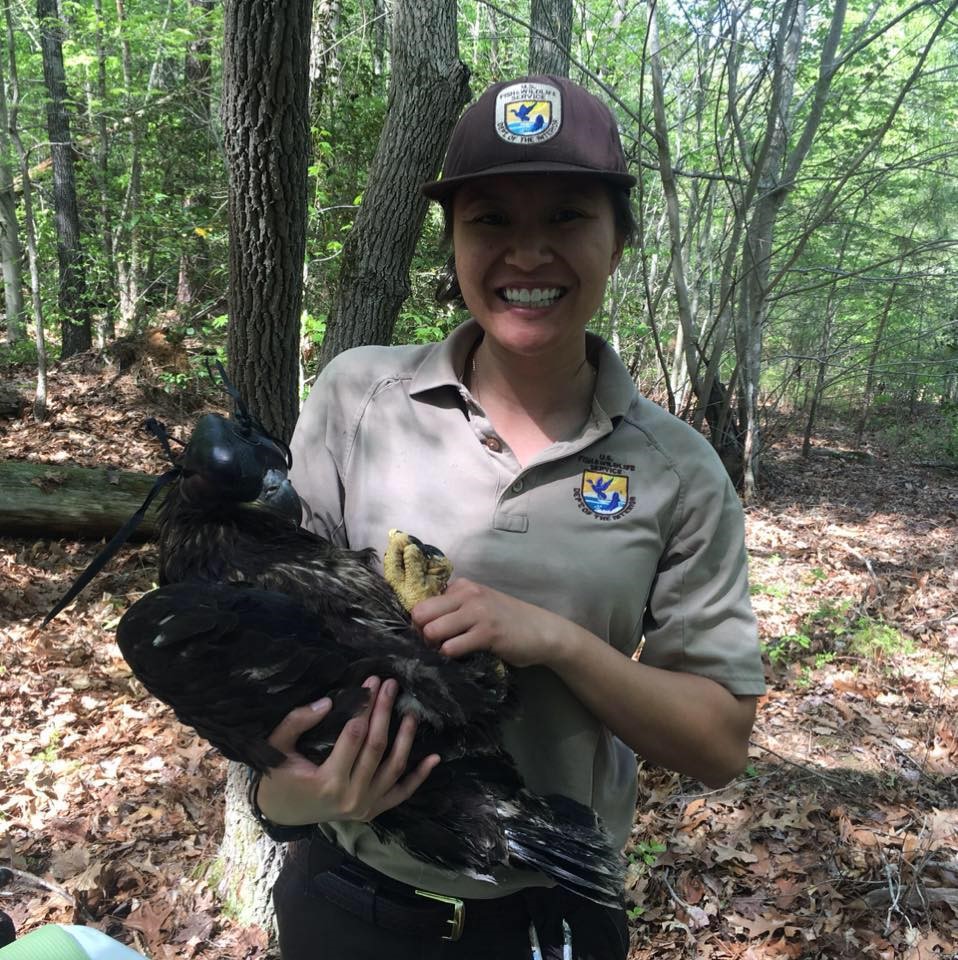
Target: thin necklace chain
point(474, 374)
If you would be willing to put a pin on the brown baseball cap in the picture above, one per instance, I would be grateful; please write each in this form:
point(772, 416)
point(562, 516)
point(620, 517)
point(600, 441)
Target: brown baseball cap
point(535, 124)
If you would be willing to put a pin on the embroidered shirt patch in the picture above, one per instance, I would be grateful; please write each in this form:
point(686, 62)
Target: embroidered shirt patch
point(605, 494)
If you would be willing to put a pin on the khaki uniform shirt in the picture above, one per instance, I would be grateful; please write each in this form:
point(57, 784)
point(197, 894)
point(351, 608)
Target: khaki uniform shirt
point(631, 530)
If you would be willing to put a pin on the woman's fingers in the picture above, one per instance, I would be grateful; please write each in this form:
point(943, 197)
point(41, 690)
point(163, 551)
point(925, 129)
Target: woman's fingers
point(394, 765)
point(367, 761)
point(406, 787)
point(449, 625)
point(362, 776)
point(350, 742)
point(296, 723)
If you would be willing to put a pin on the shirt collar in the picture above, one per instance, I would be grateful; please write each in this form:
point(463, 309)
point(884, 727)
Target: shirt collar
point(444, 366)
point(614, 387)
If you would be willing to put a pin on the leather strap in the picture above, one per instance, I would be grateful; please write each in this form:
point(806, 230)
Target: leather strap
point(377, 899)
point(364, 898)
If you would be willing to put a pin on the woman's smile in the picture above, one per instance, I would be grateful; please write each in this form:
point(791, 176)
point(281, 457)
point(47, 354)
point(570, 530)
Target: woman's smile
point(532, 297)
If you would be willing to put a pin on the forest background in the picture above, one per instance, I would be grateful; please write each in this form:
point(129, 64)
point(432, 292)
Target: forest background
point(791, 293)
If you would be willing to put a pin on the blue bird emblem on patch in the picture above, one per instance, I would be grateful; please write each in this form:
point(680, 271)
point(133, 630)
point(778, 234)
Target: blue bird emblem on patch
point(605, 494)
point(525, 119)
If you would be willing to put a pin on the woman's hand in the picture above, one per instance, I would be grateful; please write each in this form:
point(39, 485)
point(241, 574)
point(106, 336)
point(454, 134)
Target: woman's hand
point(470, 617)
point(678, 720)
point(358, 780)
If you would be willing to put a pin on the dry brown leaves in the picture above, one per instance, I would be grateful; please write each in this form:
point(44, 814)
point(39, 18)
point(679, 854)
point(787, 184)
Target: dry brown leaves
point(840, 842)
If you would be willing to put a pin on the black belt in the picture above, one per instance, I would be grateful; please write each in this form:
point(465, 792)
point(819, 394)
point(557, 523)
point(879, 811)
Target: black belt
point(396, 906)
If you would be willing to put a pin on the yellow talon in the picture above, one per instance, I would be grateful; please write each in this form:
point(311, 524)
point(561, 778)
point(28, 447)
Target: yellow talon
point(414, 571)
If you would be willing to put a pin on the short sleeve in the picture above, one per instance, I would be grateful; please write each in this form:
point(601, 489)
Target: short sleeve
point(699, 617)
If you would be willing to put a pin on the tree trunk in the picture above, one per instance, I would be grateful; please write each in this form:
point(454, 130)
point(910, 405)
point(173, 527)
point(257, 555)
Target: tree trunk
point(53, 500)
point(9, 232)
point(550, 37)
point(825, 340)
point(757, 247)
point(324, 64)
point(250, 862)
point(877, 343)
point(106, 326)
point(194, 255)
point(685, 365)
point(266, 138)
point(429, 86)
point(129, 261)
point(821, 369)
point(495, 66)
point(380, 32)
point(72, 301)
point(40, 402)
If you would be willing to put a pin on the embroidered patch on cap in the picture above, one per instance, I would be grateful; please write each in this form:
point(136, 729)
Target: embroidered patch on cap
point(528, 112)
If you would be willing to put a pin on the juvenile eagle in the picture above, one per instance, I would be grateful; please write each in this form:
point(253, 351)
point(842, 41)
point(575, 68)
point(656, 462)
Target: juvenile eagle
point(256, 616)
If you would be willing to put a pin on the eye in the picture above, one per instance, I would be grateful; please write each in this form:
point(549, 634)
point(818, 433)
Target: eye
point(489, 218)
point(567, 215)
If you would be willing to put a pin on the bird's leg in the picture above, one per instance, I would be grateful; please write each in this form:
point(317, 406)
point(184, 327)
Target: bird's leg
point(415, 570)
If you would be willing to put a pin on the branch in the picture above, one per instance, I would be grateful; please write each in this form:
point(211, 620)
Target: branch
point(610, 93)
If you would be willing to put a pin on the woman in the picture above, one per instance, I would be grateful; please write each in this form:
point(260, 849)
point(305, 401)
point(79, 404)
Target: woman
point(580, 517)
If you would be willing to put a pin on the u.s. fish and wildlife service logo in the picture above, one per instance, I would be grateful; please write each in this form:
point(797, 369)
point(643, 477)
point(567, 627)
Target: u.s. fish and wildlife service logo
point(528, 112)
point(605, 494)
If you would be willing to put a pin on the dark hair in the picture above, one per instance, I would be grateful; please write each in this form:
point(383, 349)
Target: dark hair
point(447, 289)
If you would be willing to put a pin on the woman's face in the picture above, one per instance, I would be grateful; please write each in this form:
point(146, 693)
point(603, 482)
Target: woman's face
point(533, 254)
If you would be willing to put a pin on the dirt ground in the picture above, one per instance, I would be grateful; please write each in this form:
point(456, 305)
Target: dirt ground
point(839, 841)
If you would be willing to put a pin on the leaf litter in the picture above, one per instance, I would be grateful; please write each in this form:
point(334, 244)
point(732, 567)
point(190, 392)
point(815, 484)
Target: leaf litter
point(839, 841)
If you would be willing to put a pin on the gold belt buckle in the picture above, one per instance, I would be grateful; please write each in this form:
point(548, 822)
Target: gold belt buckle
point(458, 917)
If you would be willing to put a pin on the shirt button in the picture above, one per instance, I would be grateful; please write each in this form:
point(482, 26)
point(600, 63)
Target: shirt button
point(517, 486)
point(493, 443)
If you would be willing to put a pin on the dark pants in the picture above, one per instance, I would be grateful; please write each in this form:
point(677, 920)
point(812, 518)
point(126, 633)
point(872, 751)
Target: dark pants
point(312, 928)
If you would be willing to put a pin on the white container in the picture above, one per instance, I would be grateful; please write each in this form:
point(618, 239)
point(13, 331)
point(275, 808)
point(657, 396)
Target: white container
point(57, 942)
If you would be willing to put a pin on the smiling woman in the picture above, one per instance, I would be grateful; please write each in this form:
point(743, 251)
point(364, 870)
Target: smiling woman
point(581, 519)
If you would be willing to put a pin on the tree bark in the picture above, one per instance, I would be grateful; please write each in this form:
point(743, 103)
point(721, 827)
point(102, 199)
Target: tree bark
point(72, 300)
point(53, 500)
point(9, 232)
point(380, 33)
point(757, 246)
point(106, 326)
point(429, 86)
point(686, 359)
point(266, 138)
point(250, 862)
point(873, 355)
point(129, 261)
point(40, 401)
point(324, 64)
point(550, 37)
point(194, 255)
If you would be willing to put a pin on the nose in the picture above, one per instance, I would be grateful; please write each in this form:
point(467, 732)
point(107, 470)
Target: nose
point(530, 248)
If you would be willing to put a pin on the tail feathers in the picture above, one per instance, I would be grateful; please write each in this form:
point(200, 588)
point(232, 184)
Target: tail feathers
point(565, 841)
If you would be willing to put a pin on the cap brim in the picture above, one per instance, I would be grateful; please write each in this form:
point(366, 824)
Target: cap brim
point(442, 189)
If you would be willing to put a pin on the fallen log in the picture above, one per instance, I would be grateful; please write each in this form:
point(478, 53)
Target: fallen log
point(55, 500)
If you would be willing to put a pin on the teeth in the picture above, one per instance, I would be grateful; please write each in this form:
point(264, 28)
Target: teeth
point(541, 296)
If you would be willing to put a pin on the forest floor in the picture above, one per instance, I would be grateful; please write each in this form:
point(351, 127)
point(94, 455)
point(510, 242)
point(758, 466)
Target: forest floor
point(840, 841)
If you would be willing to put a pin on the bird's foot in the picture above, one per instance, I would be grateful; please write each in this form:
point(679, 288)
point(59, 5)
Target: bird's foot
point(415, 570)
